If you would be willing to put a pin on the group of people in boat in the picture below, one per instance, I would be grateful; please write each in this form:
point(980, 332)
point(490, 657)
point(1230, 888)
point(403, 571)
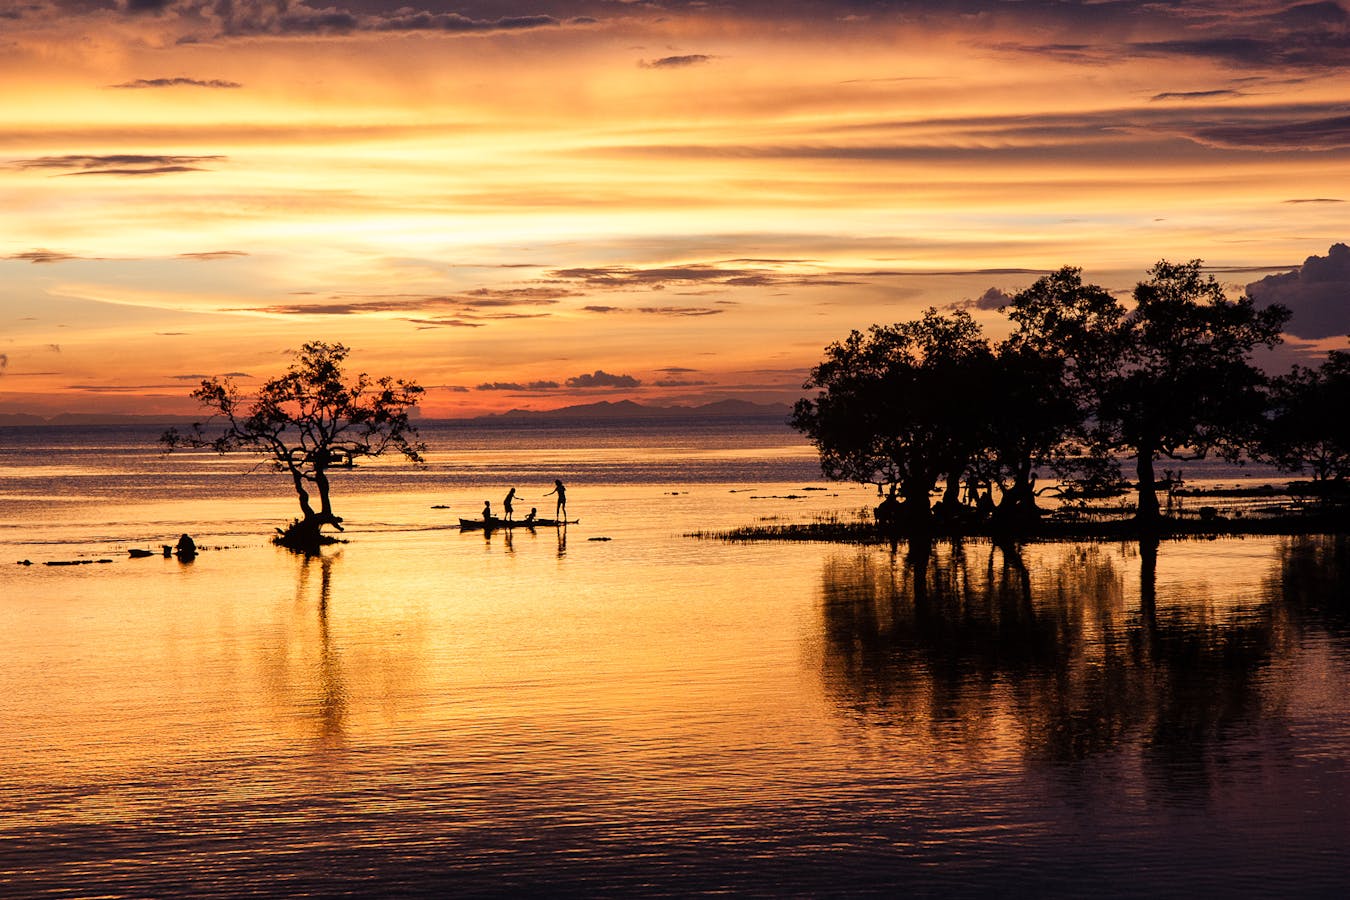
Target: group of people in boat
point(509, 510)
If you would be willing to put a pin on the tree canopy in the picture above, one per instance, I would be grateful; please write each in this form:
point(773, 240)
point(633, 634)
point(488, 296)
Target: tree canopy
point(1080, 380)
point(307, 422)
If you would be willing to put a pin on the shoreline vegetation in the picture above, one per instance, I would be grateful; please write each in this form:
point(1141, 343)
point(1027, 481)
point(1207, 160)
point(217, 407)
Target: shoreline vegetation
point(1294, 509)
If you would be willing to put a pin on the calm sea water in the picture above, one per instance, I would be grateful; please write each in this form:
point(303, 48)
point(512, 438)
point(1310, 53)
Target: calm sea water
point(427, 712)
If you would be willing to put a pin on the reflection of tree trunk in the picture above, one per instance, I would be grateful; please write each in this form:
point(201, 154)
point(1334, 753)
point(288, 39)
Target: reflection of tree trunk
point(1148, 590)
point(1147, 514)
point(333, 690)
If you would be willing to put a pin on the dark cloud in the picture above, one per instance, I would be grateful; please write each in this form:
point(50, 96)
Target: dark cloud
point(625, 276)
point(1195, 95)
point(1318, 293)
point(517, 386)
point(1330, 133)
point(424, 324)
point(458, 308)
point(992, 299)
point(657, 310)
point(678, 382)
point(676, 370)
point(116, 164)
point(676, 62)
point(43, 256)
point(1315, 200)
point(704, 274)
point(602, 379)
point(141, 83)
point(213, 19)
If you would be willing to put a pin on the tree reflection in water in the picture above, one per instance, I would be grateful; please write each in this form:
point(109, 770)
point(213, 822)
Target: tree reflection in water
point(971, 650)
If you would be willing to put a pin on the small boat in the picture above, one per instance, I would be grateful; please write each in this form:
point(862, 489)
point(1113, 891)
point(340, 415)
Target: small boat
point(495, 523)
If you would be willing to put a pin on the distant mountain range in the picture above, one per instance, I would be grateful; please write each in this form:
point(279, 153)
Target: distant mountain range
point(628, 409)
point(603, 410)
point(92, 419)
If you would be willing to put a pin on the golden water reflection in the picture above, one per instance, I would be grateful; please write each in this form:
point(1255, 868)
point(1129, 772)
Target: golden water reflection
point(1077, 652)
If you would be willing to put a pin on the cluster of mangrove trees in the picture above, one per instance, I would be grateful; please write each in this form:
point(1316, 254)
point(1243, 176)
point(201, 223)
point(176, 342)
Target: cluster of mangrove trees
point(1082, 381)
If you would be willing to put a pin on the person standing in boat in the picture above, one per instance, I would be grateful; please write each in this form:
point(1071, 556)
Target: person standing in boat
point(561, 491)
point(506, 504)
point(487, 510)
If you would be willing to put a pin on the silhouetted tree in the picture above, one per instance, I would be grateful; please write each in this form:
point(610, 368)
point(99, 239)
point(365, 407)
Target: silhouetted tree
point(1185, 384)
point(1307, 429)
point(307, 422)
point(894, 406)
point(1067, 334)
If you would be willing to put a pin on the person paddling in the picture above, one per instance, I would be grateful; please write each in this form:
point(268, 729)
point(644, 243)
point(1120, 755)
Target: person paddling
point(506, 504)
point(561, 491)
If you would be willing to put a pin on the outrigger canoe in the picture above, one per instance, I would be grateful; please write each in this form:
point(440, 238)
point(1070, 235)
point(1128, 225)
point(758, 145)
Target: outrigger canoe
point(494, 523)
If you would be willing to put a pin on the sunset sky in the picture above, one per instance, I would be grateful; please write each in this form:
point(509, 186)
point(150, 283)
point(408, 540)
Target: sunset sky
point(532, 204)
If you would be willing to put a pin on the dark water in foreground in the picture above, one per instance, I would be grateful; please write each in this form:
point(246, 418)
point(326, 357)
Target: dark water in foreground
point(425, 712)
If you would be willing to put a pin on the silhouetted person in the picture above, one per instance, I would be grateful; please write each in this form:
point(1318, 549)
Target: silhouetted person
point(506, 504)
point(487, 510)
point(561, 491)
point(186, 548)
point(534, 514)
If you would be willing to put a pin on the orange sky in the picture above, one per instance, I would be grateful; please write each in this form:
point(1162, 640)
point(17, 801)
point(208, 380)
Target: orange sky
point(497, 198)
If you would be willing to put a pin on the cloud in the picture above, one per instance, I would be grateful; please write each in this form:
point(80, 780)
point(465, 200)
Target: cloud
point(676, 370)
point(1195, 95)
point(457, 309)
point(517, 386)
point(704, 274)
point(117, 164)
point(4, 361)
point(676, 62)
point(1318, 293)
point(43, 256)
point(1315, 200)
point(657, 310)
point(679, 382)
point(602, 379)
point(424, 324)
point(992, 299)
point(205, 20)
point(141, 83)
point(212, 255)
point(1329, 133)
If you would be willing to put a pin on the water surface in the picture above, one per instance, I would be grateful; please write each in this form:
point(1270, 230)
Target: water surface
point(424, 711)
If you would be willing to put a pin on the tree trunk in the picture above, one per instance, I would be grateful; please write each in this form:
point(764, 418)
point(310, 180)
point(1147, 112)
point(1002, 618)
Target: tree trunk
point(306, 510)
point(326, 516)
point(1147, 514)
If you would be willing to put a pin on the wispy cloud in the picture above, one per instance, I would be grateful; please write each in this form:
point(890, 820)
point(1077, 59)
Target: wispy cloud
point(676, 62)
point(529, 386)
point(656, 310)
point(212, 255)
point(117, 164)
point(43, 256)
point(143, 83)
